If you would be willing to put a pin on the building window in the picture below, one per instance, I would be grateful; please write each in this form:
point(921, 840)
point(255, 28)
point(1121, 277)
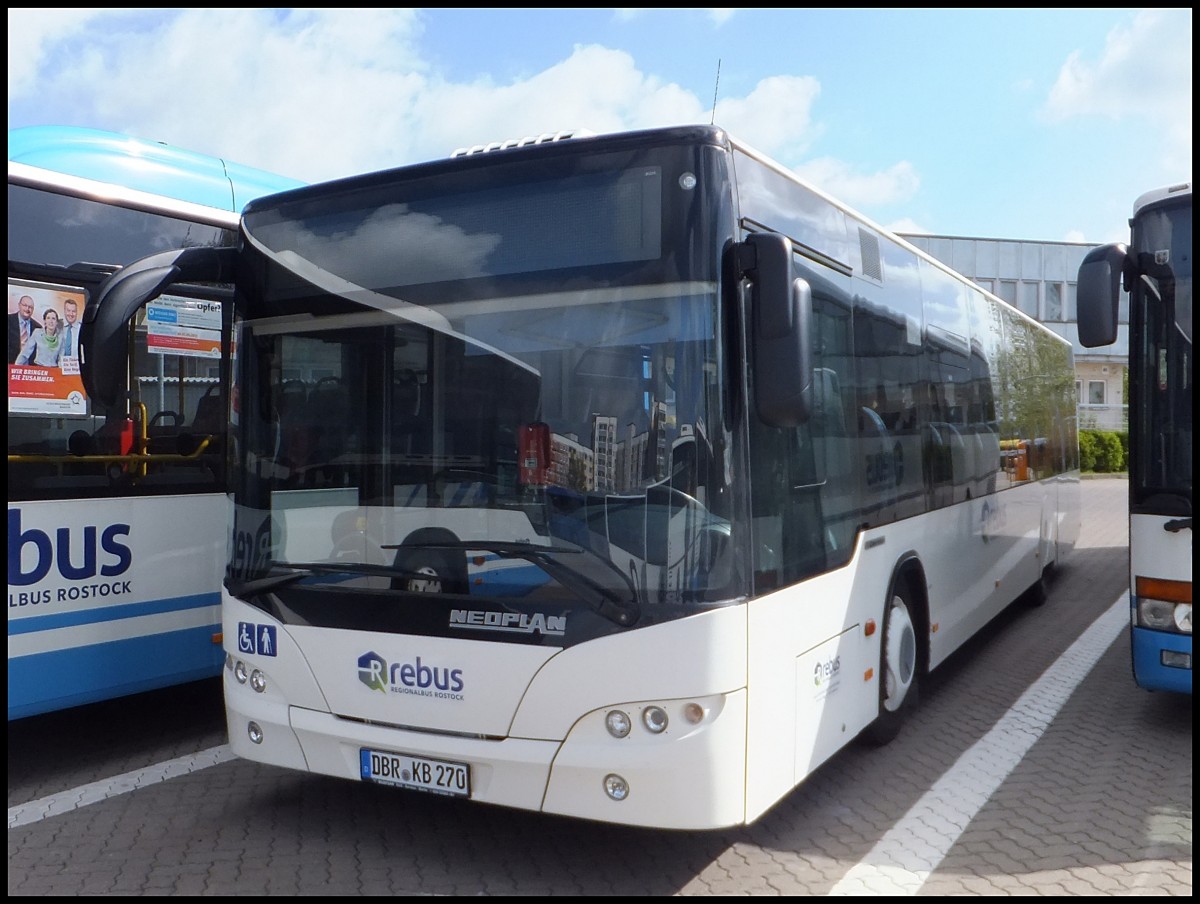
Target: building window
point(1096, 392)
point(1071, 315)
point(1029, 298)
point(1079, 392)
point(1008, 291)
point(985, 284)
point(1054, 308)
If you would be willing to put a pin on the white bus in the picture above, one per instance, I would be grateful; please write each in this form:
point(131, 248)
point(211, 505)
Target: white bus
point(1157, 270)
point(625, 477)
point(116, 513)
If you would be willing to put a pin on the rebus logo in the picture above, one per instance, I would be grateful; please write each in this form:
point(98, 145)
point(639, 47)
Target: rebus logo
point(372, 671)
point(59, 552)
point(409, 677)
point(826, 671)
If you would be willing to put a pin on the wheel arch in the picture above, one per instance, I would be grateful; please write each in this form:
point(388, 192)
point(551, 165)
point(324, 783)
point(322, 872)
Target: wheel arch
point(909, 572)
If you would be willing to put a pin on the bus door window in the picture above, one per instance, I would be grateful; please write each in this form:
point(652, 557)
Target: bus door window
point(803, 491)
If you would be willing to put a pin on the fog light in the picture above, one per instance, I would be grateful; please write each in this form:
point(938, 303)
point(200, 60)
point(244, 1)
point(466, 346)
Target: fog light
point(254, 733)
point(694, 713)
point(258, 681)
point(617, 723)
point(239, 672)
point(1173, 659)
point(228, 661)
point(655, 719)
point(616, 787)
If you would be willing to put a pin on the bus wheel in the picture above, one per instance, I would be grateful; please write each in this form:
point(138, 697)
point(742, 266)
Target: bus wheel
point(898, 679)
point(1039, 592)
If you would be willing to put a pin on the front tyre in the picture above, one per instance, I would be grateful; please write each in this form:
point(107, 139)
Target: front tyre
point(899, 681)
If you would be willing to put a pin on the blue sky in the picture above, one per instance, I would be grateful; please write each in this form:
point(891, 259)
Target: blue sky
point(1041, 124)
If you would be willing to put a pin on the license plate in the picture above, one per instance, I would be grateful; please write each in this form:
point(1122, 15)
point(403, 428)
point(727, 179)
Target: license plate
point(406, 771)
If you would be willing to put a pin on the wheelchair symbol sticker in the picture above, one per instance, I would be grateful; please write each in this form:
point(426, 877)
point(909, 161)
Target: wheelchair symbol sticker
point(257, 639)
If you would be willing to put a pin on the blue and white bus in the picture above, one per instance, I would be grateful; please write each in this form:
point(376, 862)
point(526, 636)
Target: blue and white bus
point(116, 512)
point(1156, 269)
point(758, 466)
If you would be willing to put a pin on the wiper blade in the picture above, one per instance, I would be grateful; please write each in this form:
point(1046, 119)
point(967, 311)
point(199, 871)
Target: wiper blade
point(247, 590)
point(585, 577)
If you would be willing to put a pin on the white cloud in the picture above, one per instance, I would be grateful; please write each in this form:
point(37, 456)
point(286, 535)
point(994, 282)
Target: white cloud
point(322, 93)
point(897, 183)
point(1144, 72)
point(32, 31)
point(907, 226)
point(718, 17)
point(775, 117)
point(721, 16)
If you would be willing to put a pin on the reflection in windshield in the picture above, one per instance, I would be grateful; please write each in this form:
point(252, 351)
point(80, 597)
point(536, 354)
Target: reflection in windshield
point(471, 457)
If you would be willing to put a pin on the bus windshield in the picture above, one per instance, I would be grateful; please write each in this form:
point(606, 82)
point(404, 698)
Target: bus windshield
point(499, 387)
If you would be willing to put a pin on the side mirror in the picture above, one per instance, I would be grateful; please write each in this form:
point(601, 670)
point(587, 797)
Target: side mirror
point(103, 334)
point(1098, 296)
point(781, 347)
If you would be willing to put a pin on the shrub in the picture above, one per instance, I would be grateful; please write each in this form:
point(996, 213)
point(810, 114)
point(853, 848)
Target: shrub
point(1103, 451)
point(1087, 450)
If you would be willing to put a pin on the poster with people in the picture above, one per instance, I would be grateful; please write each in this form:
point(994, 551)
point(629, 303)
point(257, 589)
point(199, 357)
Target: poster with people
point(43, 349)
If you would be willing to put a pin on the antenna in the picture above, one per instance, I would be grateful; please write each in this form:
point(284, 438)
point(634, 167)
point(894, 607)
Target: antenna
point(715, 87)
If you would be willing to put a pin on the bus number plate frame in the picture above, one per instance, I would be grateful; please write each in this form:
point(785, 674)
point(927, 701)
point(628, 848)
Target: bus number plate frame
point(403, 770)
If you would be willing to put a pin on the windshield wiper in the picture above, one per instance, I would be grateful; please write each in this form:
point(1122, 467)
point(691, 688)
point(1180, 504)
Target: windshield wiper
point(247, 590)
point(584, 578)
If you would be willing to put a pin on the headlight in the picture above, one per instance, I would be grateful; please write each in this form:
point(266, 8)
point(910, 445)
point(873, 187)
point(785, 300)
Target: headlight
point(617, 723)
point(1162, 615)
point(1164, 605)
point(655, 719)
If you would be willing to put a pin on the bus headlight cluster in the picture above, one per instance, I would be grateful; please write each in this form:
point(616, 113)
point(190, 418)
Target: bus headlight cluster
point(244, 674)
point(654, 719)
point(1164, 605)
point(1163, 615)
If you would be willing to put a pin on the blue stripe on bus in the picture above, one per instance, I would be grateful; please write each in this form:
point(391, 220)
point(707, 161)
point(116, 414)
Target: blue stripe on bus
point(46, 682)
point(110, 613)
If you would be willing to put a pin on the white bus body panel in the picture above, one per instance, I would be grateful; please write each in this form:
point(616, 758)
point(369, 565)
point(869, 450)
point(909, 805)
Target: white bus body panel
point(530, 719)
point(1155, 552)
point(542, 707)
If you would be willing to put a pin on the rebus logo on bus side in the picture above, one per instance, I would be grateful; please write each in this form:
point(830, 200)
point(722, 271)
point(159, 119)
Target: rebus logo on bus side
point(58, 552)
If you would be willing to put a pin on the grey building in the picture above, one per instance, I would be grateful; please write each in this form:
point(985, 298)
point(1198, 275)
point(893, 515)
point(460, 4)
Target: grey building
point(1039, 278)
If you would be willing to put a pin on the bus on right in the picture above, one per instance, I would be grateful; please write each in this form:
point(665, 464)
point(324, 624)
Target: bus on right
point(1156, 270)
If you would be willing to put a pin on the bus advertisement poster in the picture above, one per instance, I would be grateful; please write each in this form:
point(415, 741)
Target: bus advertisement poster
point(183, 326)
point(43, 349)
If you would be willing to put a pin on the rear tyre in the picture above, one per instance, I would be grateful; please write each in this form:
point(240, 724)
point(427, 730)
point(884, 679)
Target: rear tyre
point(1037, 595)
point(899, 681)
